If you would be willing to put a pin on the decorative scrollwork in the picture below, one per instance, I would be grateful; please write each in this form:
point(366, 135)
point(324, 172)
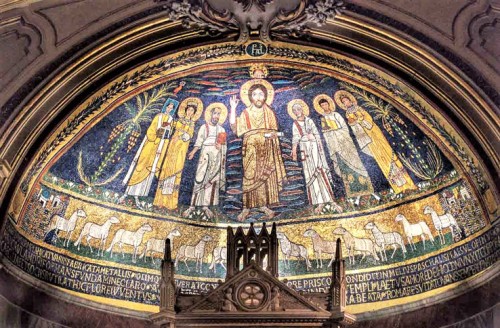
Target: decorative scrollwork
point(200, 14)
point(289, 18)
point(247, 4)
point(296, 23)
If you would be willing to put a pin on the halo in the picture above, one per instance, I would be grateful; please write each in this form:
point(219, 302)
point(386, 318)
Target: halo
point(223, 112)
point(300, 102)
point(317, 106)
point(199, 108)
point(247, 85)
point(341, 94)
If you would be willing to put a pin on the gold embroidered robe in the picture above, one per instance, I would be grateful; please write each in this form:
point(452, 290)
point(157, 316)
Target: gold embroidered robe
point(263, 169)
point(170, 173)
point(370, 136)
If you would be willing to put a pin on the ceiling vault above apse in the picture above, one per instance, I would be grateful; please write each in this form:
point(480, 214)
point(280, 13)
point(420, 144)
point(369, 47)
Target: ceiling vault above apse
point(177, 119)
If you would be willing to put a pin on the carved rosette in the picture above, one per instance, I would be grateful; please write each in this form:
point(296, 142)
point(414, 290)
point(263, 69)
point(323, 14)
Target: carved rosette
point(252, 17)
point(252, 295)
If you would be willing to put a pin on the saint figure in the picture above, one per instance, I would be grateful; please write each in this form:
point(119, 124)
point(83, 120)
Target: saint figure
point(263, 169)
point(316, 173)
point(145, 164)
point(172, 162)
point(343, 152)
point(210, 174)
point(373, 143)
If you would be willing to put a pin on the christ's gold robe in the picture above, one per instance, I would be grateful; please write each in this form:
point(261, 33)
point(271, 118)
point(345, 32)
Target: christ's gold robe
point(263, 169)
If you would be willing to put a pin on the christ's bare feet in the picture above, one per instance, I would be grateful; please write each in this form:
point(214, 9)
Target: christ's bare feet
point(269, 213)
point(244, 214)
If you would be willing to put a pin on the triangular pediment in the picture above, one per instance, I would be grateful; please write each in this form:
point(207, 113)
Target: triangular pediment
point(254, 290)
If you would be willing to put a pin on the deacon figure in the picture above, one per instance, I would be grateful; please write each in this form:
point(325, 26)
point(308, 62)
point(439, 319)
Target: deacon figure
point(211, 171)
point(312, 155)
point(346, 161)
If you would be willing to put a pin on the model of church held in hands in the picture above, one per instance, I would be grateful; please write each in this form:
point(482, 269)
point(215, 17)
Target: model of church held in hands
point(252, 293)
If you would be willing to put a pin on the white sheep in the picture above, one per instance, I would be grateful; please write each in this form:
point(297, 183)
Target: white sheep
point(154, 245)
point(291, 249)
point(415, 230)
point(320, 246)
point(133, 238)
point(219, 255)
point(100, 232)
point(61, 224)
point(384, 239)
point(196, 252)
point(442, 222)
point(354, 244)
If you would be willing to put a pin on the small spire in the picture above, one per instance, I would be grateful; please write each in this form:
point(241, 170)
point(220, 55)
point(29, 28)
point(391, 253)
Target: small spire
point(338, 251)
point(168, 252)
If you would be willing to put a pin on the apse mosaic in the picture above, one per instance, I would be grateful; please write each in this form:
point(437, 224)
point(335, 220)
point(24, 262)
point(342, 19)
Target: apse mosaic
point(189, 144)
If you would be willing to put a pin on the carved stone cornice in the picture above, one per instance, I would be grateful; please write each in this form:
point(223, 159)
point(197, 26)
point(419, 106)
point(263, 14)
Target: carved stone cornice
point(252, 17)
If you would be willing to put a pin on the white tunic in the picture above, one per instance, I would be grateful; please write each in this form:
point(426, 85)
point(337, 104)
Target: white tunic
point(339, 142)
point(210, 173)
point(314, 163)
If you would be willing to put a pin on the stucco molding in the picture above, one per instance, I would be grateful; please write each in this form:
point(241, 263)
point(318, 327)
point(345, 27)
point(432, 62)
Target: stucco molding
point(66, 29)
point(466, 107)
point(22, 40)
point(349, 27)
point(486, 276)
point(483, 32)
point(25, 278)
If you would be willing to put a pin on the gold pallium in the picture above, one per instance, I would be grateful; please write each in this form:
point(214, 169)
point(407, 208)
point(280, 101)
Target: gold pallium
point(223, 112)
point(303, 105)
point(191, 101)
point(342, 94)
point(320, 97)
point(245, 97)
